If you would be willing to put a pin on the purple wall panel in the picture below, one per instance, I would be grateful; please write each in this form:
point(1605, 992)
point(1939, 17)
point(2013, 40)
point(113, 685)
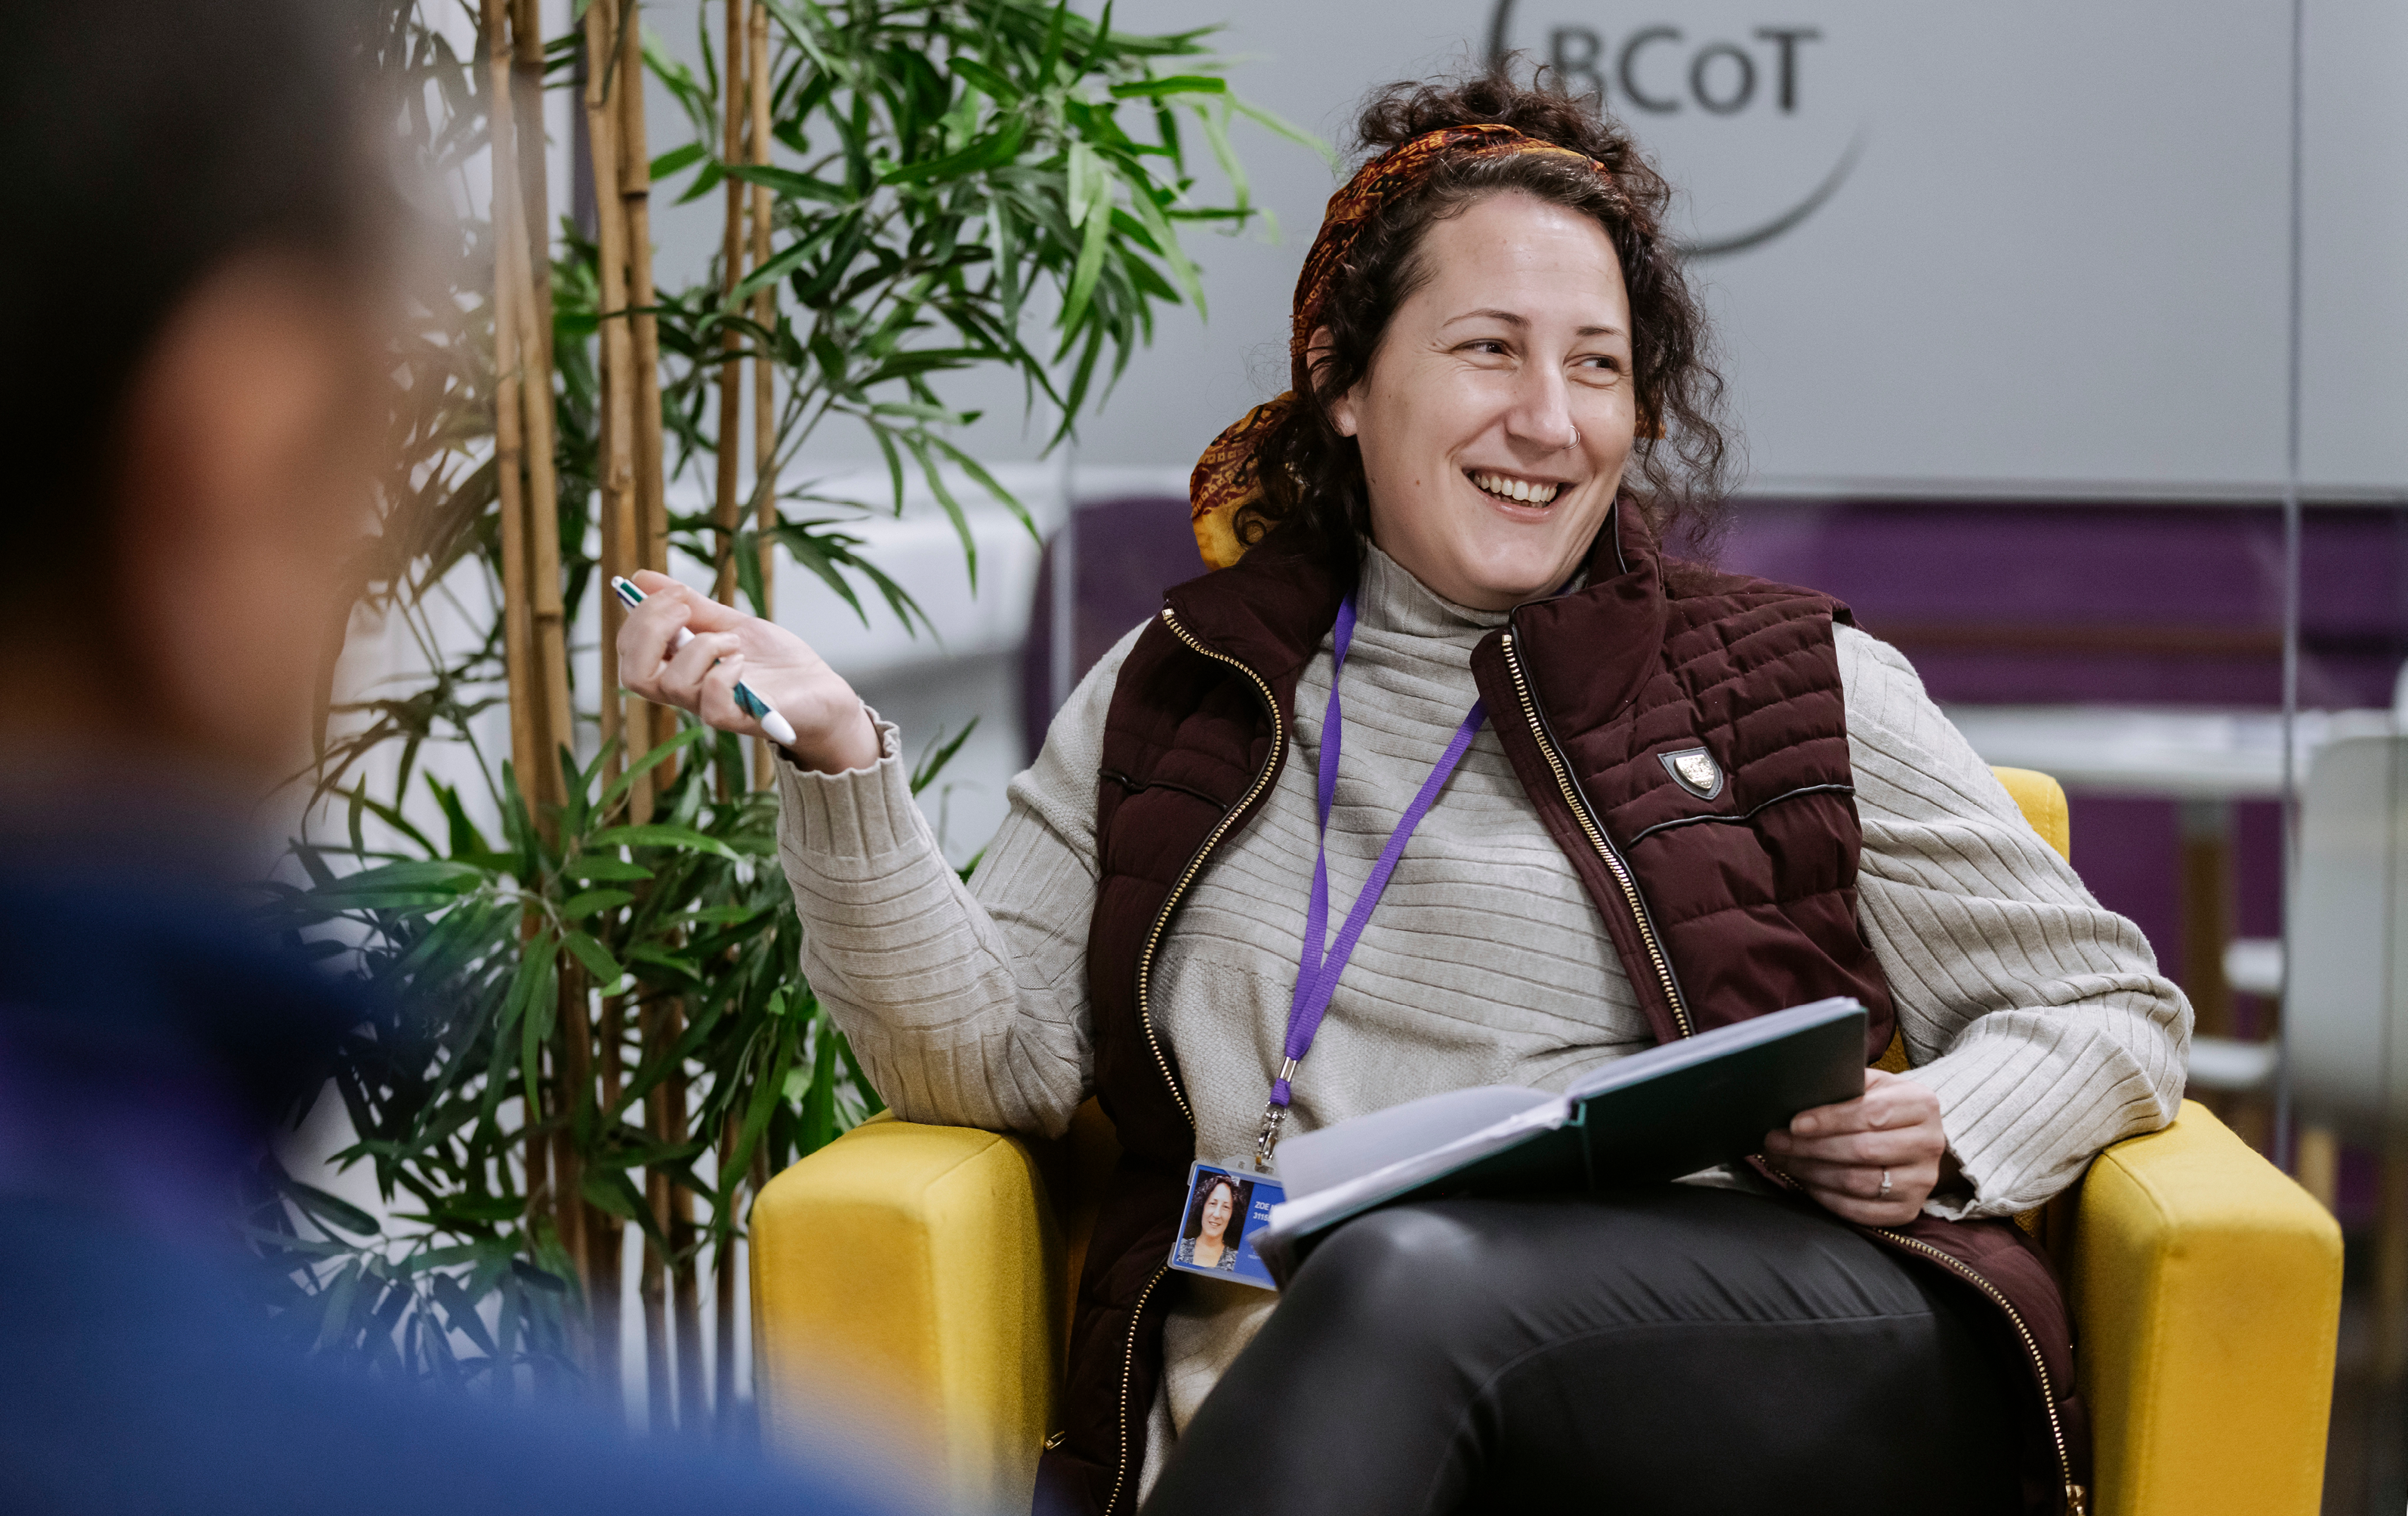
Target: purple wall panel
point(2002, 602)
point(2024, 603)
point(2127, 850)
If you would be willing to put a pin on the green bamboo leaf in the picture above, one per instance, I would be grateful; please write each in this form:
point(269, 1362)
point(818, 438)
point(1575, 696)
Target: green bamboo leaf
point(588, 867)
point(641, 766)
point(483, 1209)
point(466, 842)
point(1099, 229)
point(997, 87)
point(1216, 132)
point(541, 1278)
point(596, 957)
point(789, 183)
point(610, 1190)
point(1294, 133)
point(852, 1070)
point(762, 1103)
point(436, 953)
point(1083, 182)
point(439, 1258)
point(997, 147)
point(675, 968)
point(712, 175)
point(816, 1126)
point(918, 442)
point(585, 903)
point(460, 1314)
point(1166, 242)
point(1155, 89)
point(678, 158)
point(1050, 56)
point(335, 1323)
point(535, 1016)
point(986, 481)
point(333, 1211)
point(438, 875)
point(659, 835)
point(934, 758)
point(795, 255)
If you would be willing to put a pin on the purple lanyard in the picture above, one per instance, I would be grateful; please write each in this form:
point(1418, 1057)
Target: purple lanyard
point(1317, 978)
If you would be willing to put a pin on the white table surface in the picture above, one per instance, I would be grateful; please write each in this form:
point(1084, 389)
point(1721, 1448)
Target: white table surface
point(2156, 750)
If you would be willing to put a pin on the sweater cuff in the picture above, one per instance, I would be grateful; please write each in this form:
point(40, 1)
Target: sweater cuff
point(1970, 1117)
point(859, 813)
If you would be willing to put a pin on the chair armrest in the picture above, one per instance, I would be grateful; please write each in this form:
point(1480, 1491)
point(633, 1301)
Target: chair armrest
point(908, 1273)
point(2206, 1290)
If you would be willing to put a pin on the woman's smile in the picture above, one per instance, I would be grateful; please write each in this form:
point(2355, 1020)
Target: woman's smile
point(1531, 497)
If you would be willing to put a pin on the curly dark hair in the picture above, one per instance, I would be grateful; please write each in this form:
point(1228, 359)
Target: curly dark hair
point(1311, 475)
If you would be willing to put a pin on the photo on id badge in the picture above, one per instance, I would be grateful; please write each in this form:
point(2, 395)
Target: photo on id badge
point(1226, 1209)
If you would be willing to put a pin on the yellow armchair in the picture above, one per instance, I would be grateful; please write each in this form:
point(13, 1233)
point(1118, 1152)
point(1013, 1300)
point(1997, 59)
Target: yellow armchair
point(927, 1271)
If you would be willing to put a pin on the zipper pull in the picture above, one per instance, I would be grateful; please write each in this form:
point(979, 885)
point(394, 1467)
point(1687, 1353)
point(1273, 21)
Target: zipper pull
point(2077, 1501)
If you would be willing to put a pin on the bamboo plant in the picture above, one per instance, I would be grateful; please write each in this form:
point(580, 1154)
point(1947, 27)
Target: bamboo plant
point(588, 1015)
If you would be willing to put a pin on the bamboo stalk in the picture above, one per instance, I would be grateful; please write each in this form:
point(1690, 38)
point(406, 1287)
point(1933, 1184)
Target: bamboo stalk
point(520, 654)
point(522, 196)
point(610, 80)
point(648, 527)
point(574, 1080)
point(518, 636)
point(765, 399)
point(549, 662)
point(606, 1234)
point(660, 1394)
point(525, 439)
point(737, 79)
point(724, 1276)
point(685, 1289)
point(526, 33)
point(603, 125)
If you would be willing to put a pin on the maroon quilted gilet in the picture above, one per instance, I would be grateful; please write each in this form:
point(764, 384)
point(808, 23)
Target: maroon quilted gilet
point(1723, 901)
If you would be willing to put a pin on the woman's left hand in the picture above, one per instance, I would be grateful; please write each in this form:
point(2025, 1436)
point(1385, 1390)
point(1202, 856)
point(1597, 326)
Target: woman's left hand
point(1839, 1153)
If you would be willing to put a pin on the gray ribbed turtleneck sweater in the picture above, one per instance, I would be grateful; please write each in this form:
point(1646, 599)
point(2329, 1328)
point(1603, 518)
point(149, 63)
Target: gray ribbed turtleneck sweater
point(2036, 1015)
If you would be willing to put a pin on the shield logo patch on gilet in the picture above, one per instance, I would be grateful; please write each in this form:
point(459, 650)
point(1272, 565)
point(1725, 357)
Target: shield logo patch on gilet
point(1694, 769)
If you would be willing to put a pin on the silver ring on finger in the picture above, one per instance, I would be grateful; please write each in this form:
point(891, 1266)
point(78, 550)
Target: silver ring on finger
point(1885, 1189)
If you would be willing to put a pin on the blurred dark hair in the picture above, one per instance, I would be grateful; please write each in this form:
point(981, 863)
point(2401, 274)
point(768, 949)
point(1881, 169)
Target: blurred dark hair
point(1238, 1192)
point(1312, 475)
point(147, 143)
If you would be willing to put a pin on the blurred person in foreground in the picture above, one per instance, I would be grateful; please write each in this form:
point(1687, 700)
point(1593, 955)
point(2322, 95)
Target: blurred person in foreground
point(191, 354)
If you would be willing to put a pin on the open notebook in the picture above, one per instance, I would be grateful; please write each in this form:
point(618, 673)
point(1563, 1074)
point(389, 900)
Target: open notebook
point(1656, 1115)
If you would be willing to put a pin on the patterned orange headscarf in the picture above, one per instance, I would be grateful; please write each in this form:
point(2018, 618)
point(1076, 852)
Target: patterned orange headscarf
point(1223, 482)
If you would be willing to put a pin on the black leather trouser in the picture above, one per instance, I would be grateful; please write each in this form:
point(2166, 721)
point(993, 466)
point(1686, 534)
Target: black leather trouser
point(1667, 1350)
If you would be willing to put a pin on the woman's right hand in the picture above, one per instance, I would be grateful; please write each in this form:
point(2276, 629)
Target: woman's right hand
point(832, 728)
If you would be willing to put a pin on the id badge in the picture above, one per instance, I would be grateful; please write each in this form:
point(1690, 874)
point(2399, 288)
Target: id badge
point(1227, 1209)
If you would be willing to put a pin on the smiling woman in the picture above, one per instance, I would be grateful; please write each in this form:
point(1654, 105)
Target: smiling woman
point(1580, 796)
point(1585, 216)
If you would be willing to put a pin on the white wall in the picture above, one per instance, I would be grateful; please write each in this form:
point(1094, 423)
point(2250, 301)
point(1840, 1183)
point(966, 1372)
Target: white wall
point(2054, 267)
point(2058, 264)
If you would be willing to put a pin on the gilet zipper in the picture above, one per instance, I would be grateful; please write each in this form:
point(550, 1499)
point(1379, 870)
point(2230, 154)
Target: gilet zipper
point(1145, 982)
point(1128, 1368)
point(1580, 812)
